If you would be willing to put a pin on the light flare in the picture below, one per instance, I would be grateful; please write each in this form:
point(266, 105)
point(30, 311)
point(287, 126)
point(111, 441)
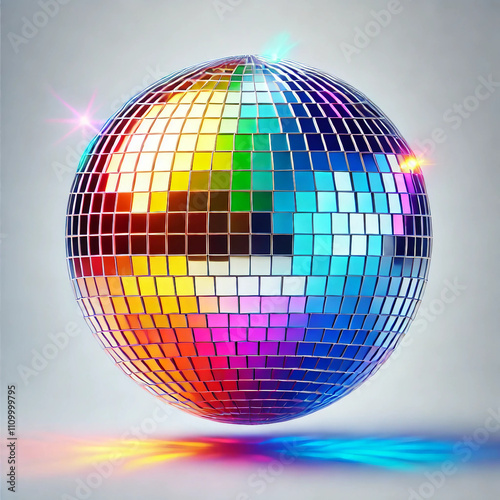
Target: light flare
point(53, 455)
point(413, 164)
point(82, 121)
point(279, 47)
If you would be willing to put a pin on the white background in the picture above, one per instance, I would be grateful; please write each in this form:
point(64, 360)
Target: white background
point(427, 58)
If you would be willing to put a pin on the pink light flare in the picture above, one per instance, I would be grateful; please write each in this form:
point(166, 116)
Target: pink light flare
point(81, 120)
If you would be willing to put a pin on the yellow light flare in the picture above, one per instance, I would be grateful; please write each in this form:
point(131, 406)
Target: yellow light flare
point(412, 164)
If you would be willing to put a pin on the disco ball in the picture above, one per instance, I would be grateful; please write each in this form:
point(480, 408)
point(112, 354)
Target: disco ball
point(249, 239)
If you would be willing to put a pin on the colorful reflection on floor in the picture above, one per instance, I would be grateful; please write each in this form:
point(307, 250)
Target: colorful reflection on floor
point(55, 454)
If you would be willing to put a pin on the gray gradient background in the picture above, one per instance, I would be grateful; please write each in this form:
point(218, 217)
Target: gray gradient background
point(428, 58)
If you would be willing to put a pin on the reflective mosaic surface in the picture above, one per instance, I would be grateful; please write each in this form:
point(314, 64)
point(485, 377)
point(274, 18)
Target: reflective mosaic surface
point(249, 240)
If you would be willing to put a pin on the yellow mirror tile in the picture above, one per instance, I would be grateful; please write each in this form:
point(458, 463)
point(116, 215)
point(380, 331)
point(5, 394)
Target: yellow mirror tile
point(140, 265)
point(130, 285)
point(158, 265)
point(210, 126)
point(183, 161)
point(184, 285)
point(202, 161)
point(114, 162)
point(135, 305)
point(206, 142)
point(160, 181)
point(145, 320)
point(158, 202)
point(152, 305)
point(169, 305)
point(154, 111)
point(214, 110)
point(222, 161)
point(177, 265)
point(165, 285)
point(140, 202)
point(180, 181)
point(147, 285)
point(161, 321)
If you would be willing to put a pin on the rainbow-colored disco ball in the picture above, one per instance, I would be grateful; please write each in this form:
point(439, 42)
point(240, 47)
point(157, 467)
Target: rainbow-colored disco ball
point(248, 239)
